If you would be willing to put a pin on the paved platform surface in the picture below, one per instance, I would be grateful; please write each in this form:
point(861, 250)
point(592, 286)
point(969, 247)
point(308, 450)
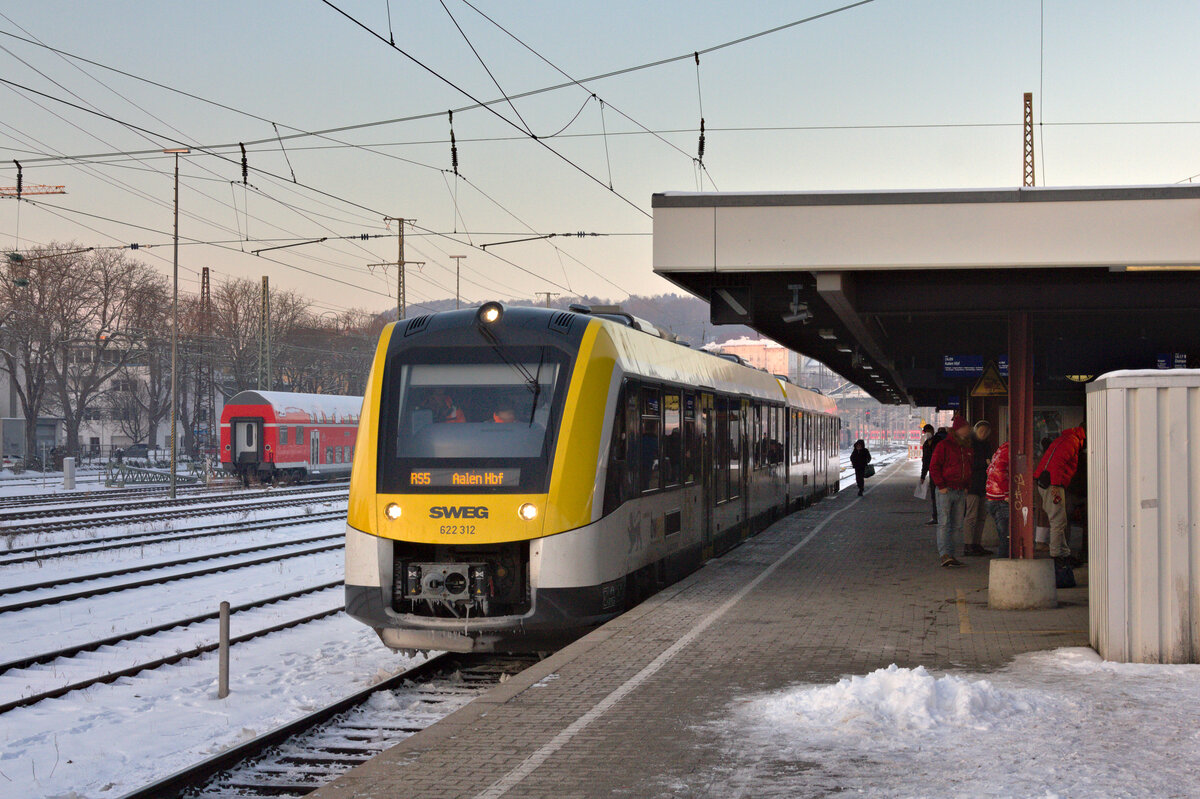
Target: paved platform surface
point(633, 709)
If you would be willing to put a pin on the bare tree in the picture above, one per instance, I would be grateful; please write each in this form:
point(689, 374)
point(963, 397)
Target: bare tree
point(99, 320)
point(237, 309)
point(140, 395)
point(30, 293)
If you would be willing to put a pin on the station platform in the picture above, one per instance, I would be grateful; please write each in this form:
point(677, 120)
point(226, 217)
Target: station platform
point(845, 587)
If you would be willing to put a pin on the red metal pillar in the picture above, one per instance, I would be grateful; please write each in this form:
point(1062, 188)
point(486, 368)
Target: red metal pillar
point(1022, 512)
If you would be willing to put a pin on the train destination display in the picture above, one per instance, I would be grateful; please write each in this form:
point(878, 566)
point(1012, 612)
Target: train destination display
point(454, 478)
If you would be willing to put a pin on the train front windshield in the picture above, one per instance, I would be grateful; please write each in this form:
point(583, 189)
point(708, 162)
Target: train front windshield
point(477, 420)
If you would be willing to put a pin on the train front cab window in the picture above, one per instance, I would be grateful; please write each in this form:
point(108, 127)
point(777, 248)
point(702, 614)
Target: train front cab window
point(472, 408)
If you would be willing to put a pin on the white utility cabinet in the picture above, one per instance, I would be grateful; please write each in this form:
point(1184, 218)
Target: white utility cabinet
point(1143, 430)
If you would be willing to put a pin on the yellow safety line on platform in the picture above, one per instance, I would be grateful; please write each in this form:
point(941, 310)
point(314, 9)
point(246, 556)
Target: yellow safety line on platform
point(964, 617)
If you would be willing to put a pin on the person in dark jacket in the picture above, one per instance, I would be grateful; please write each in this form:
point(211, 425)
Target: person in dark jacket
point(976, 513)
point(860, 456)
point(950, 471)
point(931, 441)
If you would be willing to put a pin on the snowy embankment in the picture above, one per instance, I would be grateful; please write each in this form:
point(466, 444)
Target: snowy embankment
point(109, 739)
point(1052, 724)
point(112, 739)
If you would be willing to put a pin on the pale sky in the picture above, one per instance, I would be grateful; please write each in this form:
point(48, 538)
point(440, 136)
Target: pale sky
point(1116, 86)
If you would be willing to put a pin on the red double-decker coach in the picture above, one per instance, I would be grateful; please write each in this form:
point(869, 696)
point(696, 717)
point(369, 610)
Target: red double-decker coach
point(278, 435)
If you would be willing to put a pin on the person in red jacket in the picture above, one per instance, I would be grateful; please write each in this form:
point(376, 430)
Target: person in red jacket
point(1059, 462)
point(950, 472)
point(996, 491)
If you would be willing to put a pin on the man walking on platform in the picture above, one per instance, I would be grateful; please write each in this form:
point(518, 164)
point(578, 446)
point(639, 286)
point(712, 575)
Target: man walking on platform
point(931, 441)
point(950, 471)
point(976, 515)
point(1054, 473)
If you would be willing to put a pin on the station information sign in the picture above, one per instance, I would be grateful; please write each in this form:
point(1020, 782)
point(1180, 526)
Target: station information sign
point(958, 366)
point(464, 478)
point(1172, 360)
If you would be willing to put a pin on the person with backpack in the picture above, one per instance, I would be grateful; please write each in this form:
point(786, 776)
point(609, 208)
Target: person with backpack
point(859, 458)
point(996, 491)
point(950, 471)
point(930, 443)
point(1053, 474)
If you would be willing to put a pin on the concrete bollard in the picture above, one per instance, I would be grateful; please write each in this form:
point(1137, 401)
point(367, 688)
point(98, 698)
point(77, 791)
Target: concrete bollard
point(1025, 584)
point(69, 474)
point(223, 654)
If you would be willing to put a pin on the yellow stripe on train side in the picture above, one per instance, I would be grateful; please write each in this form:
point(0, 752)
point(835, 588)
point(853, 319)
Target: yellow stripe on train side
point(577, 459)
point(361, 512)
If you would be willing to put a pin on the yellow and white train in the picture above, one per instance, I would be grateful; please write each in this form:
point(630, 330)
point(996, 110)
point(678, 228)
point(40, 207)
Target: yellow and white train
point(523, 474)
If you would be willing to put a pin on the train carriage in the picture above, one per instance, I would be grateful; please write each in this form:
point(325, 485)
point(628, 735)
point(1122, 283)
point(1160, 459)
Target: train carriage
point(279, 435)
point(523, 474)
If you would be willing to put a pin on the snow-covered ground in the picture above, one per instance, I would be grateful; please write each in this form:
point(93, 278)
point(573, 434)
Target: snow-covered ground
point(1052, 724)
point(108, 739)
point(111, 739)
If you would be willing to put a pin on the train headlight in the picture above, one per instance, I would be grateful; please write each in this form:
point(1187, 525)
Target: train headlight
point(490, 313)
point(528, 511)
point(392, 511)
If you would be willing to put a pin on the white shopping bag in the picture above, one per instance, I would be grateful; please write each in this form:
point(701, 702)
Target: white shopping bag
point(922, 490)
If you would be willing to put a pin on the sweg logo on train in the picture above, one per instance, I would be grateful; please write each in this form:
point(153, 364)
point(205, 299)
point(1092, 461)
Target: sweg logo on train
point(458, 512)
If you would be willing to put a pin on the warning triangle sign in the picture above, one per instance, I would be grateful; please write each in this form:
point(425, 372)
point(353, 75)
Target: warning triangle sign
point(990, 384)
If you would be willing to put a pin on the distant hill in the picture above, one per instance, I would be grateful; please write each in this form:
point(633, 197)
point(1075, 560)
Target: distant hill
point(683, 315)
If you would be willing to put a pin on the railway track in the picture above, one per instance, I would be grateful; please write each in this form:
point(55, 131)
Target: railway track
point(86, 508)
point(66, 498)
point(299, 757)
point(71, 680)
point(167, 512)
point(323, 543)
point(62, 549)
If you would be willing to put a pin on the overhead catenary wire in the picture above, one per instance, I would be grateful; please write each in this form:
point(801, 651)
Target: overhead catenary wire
point(493, 111)
point(429, 115)
point(559, 252)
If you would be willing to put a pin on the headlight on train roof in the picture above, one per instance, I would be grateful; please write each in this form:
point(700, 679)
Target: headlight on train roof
point(528, 511)
point(490, 313)
point(392, 511)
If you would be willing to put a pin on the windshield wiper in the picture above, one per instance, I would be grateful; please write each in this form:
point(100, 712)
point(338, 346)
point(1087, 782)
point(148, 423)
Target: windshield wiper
point(537, 385)
point(529, 380)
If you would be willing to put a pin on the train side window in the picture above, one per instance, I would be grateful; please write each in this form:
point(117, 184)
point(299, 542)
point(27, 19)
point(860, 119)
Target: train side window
point(619, 478)
point(299, 435)
point(650, 440)
point(672, 441)
point(329, 454)
point(283, 435)
point(735, 448)
point(776, 451)
point(789, 419)
point(721, 451)
point(691, 441)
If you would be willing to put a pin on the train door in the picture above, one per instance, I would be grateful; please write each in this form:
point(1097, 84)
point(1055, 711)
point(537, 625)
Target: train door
point(246, 440)
point(709, 488)
point(314, 448)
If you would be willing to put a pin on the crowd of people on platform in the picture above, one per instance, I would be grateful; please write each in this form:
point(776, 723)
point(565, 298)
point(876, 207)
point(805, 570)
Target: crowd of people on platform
point(970, 479)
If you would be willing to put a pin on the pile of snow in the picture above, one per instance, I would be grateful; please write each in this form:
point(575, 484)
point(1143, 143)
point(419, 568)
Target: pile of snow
point(890, 702)
point(1062, 723)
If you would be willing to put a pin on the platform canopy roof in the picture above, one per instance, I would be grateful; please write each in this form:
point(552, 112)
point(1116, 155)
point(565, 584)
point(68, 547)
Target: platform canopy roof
point(884, 286)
